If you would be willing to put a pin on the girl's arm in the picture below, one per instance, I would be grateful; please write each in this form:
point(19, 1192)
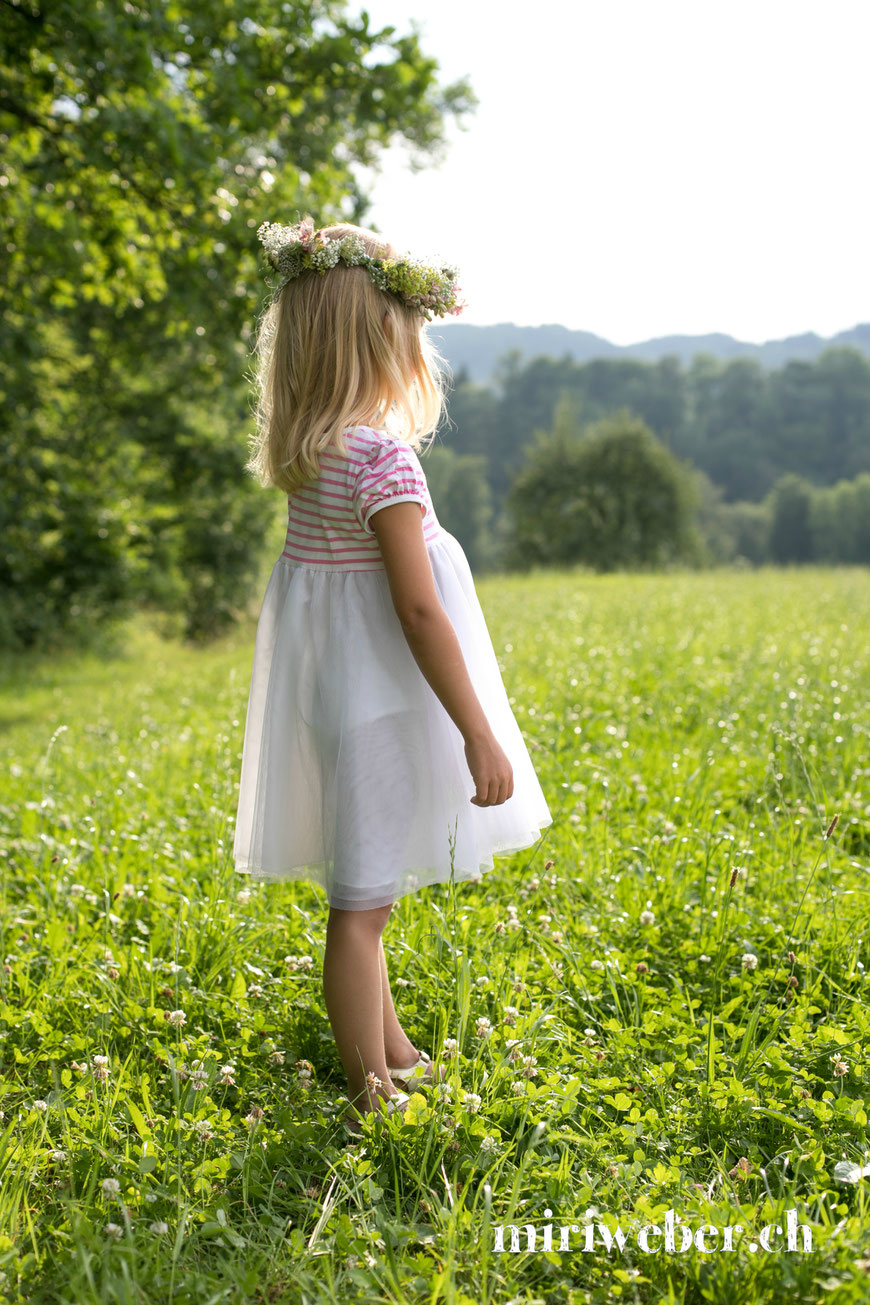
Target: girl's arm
point(436, 649)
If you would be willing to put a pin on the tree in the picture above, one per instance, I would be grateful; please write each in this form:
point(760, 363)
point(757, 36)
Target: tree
point(790, 534)
point(462, 501)
point(610, 497)
point(839, 521)
point(748, 525)
point(143, 145)
point(717, 543)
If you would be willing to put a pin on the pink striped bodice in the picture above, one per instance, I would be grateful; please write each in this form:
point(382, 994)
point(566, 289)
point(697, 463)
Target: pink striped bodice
point(329, 519)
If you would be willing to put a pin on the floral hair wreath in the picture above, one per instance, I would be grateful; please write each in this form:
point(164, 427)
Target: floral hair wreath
point(292, 250)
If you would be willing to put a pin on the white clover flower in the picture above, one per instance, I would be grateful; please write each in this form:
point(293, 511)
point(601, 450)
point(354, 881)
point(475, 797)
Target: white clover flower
point(299, 962)
point(450, 1046)
point(488, 1145)
point(444, 1090)
point(159, 1228)
point(40, 1105)
point(482, 1027)
point(750, 961)
point(110, 1186)
point(199, 1079)
point(596, 964)
point(204, 1128)
point(482, 980)
point(647, 917)
point(510, 1015)
point(518, 1088)
point(227, 1072)
point(705, 957)
point(177, 1018)
point(471, 1101)
point(243, 896)
point(58, 1156)
point(114, 1230)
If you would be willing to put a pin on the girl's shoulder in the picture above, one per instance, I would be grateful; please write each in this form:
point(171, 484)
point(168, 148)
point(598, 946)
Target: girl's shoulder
point(365, 440)
point(371, 442)
point(365, 434)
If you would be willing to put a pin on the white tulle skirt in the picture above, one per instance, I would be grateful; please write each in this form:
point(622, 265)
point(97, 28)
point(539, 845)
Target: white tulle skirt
point(353, 775)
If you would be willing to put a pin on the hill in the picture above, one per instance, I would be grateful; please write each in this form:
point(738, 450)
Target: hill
point(479, 348)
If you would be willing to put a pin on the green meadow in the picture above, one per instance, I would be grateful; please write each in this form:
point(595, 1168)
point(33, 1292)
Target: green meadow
point(660, 1007)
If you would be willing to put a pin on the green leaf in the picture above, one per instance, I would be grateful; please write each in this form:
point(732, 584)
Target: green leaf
point(138, 1119)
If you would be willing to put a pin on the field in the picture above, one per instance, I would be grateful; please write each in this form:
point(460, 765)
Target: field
point(662, 1006)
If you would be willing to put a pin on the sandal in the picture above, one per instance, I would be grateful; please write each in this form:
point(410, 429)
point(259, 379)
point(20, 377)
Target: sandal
point(421, 1074)
point(398, 1101)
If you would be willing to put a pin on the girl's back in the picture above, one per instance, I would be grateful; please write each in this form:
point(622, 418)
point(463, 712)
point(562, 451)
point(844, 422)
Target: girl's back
point(328, 519)
point(380, 751)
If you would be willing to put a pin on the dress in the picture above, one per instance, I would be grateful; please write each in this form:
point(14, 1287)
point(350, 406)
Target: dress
point(353, 774)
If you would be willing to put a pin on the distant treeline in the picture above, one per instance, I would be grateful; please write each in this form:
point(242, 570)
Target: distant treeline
point(742, 425)
point(755, 438)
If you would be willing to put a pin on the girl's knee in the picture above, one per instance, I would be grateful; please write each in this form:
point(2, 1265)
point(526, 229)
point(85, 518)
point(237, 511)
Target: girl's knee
point(371, 921)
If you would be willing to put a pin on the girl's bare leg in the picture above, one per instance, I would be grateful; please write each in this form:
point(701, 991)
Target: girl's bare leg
point(352, 980)
point(400, 1052)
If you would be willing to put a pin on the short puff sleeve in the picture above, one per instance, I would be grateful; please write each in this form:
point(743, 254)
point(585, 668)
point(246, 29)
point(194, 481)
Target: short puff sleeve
point(392, 474)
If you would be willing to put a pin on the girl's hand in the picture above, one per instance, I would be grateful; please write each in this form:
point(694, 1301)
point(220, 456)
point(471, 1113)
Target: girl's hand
point(491, 771)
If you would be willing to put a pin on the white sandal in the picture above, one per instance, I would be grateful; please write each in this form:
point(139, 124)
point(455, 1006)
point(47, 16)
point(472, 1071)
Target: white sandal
point(398, 1101)
point(420, 1074)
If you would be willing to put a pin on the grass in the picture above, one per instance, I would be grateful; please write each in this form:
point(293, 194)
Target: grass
point(663, 1006)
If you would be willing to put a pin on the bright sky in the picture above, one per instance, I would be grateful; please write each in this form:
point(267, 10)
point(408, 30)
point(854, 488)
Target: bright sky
point(641, 168)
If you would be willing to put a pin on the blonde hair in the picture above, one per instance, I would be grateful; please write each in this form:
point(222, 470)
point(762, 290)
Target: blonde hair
point(334, 351)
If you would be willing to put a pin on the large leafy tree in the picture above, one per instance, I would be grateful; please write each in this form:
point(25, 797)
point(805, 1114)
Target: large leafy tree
point(142, 145)
point(609, 496)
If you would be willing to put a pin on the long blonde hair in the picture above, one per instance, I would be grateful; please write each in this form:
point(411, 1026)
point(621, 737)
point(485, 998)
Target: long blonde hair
point(334, 351)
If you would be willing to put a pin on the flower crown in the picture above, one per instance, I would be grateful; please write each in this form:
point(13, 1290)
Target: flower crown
point(292, 250)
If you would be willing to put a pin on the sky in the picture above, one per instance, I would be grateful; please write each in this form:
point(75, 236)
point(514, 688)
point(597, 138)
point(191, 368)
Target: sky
point(639, 168)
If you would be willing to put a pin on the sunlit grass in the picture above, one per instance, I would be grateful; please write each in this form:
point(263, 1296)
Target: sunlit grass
point(662, 1006)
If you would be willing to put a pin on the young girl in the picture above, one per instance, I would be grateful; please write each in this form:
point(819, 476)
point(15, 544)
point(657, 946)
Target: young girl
point(380, 750)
